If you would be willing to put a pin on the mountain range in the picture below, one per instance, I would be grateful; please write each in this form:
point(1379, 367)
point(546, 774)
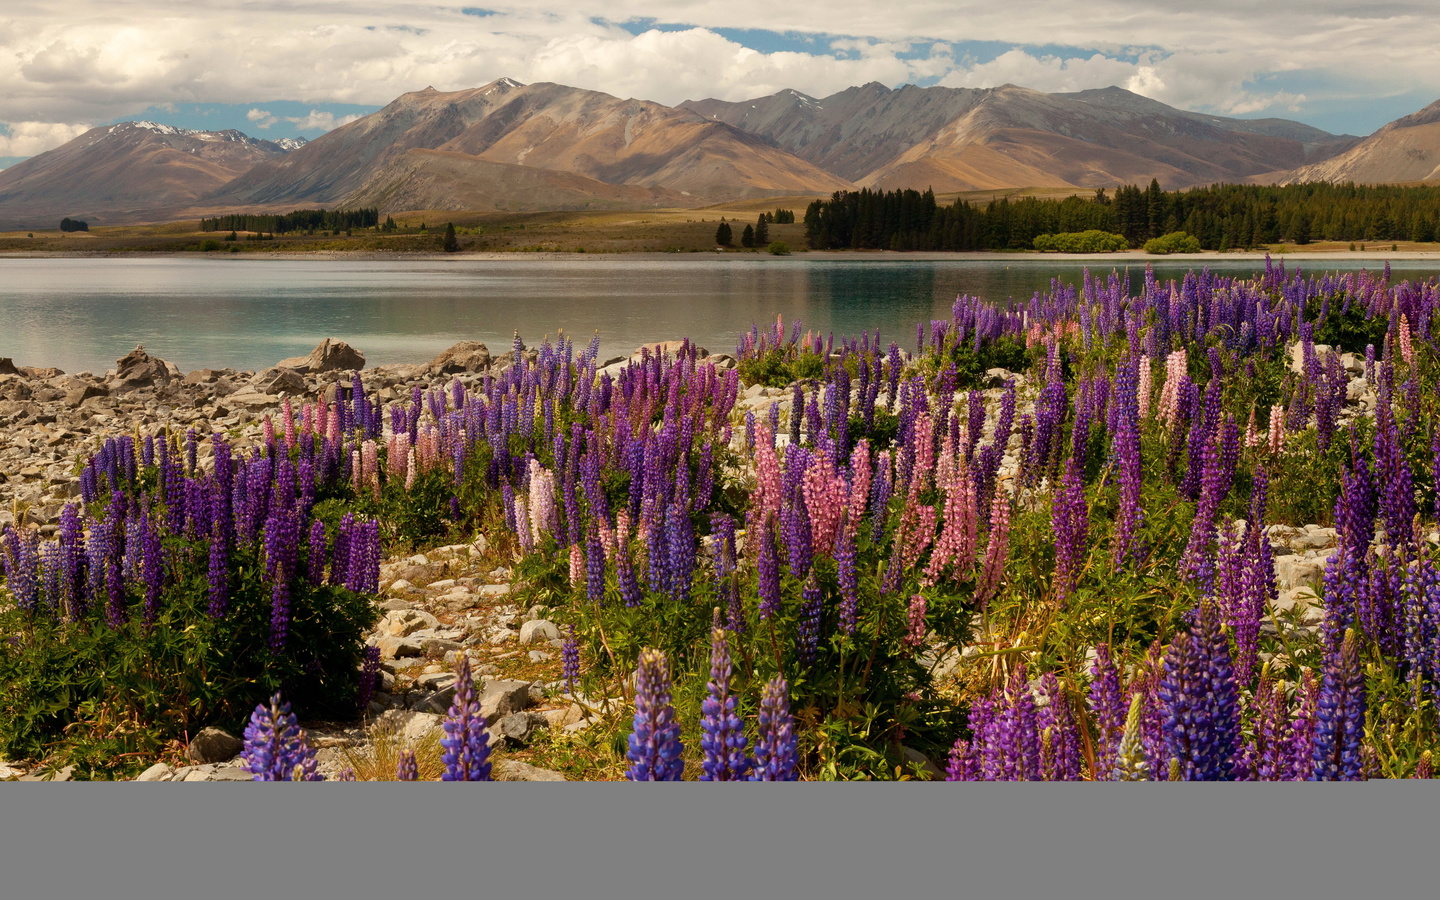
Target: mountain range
point(511, 146)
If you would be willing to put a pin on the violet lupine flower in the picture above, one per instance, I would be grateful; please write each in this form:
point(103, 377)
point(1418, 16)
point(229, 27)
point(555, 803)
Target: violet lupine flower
point(1070, 520)
point(570, 660)
point(722, 529)
point(723, 740)
point(767, 564)
point(680, 545)
point(282, 540)
point(1202, 724)
point(1109, 705)
point(275, 748)
point(152, 566)
point(1271, 753)
point(408, 769)
point(1340, 715)
point(807, 630)
point(848, 579)
point(22, 566)
point(962, 763)
point(655, 748)
point(466, 743)
point(369, 672)
point(775, 744)
point(594, 565)
point(219, 575)
point(1062, 761)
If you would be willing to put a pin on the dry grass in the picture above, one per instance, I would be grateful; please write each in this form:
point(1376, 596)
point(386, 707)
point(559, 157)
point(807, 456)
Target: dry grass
point(379, 757)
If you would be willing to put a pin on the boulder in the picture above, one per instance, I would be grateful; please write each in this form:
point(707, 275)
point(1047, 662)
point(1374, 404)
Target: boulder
point(330, 356)
point(138, 369)
point(538, 630)
point(499, 699)
point(514, 770)
point(7, 366)
point(277, 379)
point(214, 745)
point(466, 356)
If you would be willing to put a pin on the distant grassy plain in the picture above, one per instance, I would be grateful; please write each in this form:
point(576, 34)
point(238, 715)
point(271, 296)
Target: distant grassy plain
point(585, 231)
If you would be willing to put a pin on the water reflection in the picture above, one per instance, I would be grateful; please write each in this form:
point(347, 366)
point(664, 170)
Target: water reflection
point(82, 314)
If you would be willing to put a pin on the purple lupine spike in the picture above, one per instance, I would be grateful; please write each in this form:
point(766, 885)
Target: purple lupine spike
point(1070, 521)
point(570, 660)
point(655, 748)
point(1110, 707)
point(218, 574)
point(727, 590)
point(680, 547)
point(1202, 725)
point(315, 553)
point(625, 573)
point(962, 763)
point(152, 566)
point(275, 747)
point(723, 740)
point(1057, 720)
point(1340, 715)
point(408, 768)
point(807, 629)
point(369, 673)
point(22, 566)
point(594, 564)
point(1272, 746)
point(466, 743)
point(775, 744)
point(847, 578)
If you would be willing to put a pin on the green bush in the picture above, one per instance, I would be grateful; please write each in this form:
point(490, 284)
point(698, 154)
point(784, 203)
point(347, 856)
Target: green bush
point(778, 248)
point(1092, 241)
point(1174, 242)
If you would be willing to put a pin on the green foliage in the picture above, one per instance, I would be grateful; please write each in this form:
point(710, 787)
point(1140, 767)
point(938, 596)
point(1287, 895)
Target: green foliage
point(86, 692)
point(723, 235)
point(1092, 241)
point(1174, 242)
point(69, 224)
point(449, 243)
point(209, 245)
point(778, 248)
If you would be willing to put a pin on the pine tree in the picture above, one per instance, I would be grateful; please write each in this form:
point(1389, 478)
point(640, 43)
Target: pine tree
point(723, 236)
point(747, 237)
point(762, 231)
point(450, 244)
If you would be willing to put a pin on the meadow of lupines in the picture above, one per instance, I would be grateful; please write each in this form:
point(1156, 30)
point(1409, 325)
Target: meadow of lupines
point(1092, 539)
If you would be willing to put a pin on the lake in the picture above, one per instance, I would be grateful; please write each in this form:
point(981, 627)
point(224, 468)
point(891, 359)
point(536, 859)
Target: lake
point(82, 314)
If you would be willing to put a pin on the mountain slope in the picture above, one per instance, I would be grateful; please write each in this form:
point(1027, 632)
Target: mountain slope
point(123, 166)
point(542, 126)
point(439, 179)
point(980, 138)
point(1407, 149)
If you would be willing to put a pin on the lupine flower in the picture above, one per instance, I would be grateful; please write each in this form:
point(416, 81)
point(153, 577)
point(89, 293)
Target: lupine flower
point(570, 660)
point(1070, 521)
point(1131, 763)
point(1340, 717)
point(408, 769)
point(807, 630)
point(275, 748)
point(1202, 725)
point(776, 744)
point(655, 746)
point(1109, 706)
point(466, 743)
point(368, 675)
point(915, 623)
point(723, 740)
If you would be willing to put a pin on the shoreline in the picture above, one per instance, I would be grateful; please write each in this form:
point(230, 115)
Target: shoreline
point(798, 255)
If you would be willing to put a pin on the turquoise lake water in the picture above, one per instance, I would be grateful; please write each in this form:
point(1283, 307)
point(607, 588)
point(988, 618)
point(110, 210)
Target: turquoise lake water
point(83, 314)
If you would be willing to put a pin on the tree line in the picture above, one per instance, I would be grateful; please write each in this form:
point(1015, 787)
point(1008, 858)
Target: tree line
point(299, 220)
point(1221, 217)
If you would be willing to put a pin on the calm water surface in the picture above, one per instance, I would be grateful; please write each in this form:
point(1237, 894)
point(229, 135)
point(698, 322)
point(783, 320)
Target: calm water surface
point(83, 314)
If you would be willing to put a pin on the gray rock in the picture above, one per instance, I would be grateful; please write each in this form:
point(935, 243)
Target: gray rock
point(519, 727)
point(157, 772)
point(405, 622)
point(138, 369)
point(501, 698)
point(537, 656)
point(466, 356)
point(330, 356)
point(277, 380)
point(514, 770)
point(413, 726)
point(214, 745)
point(930, 769)
point(538, 631)
point(1293, 570)
point(76, 396)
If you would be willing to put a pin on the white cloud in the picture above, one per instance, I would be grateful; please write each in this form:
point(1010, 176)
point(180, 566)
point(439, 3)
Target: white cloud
point(109, 59)
point(30, 138)
point(315, 121)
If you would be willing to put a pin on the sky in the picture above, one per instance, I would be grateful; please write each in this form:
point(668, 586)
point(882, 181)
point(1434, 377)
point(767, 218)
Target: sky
point(288, 68)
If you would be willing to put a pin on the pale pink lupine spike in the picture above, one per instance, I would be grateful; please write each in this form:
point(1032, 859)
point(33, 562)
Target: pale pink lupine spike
point(924, 453)
point(996, 551)
point(1145, 384)
point(767, 473)
point(267, 425)
point(1277, 428)
point(577, 566)
point(859, 485)
point(410, 469)
point(824, 491)
point(288, 411)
